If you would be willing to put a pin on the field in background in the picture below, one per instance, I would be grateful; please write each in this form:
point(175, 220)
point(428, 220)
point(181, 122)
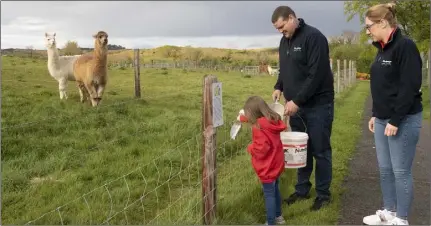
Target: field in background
point(54, 152)
point(170, 54)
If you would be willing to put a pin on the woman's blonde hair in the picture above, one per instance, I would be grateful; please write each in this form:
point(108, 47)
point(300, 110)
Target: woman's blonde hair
point(382, 11)
point(255, 107)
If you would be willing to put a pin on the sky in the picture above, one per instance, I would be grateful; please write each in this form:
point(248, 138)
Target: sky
point(147, 24)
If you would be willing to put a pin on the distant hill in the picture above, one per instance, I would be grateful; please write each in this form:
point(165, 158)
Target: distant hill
point(170, 53)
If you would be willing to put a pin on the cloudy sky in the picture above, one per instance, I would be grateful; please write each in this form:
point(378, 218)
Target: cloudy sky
point(225, 24)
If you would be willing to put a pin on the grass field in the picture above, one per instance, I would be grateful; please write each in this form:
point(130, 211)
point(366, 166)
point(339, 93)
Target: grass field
point(96, 163)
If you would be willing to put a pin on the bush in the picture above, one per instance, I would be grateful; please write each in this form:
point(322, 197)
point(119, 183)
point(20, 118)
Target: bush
point(363, 55)
point(348, 52)
point(366, 58)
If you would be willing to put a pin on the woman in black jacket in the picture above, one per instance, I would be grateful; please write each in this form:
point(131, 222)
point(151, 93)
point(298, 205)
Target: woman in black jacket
point(396, 76)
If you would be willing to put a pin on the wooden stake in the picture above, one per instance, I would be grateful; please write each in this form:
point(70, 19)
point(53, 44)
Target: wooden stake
point(209, 153)
point(338, 75)
point(137, 75)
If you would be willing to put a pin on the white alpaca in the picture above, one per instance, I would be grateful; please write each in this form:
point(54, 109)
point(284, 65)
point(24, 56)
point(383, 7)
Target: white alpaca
point(59, 67)
point(271, 71)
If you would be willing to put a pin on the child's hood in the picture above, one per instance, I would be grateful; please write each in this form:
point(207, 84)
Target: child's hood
point(272, 126)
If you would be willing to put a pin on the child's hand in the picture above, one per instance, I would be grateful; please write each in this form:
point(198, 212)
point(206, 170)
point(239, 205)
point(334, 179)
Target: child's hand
point(241, 112)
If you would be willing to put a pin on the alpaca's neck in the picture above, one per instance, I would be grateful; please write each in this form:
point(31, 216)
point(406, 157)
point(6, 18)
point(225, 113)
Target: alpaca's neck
point(53, 56)
point(101, 54)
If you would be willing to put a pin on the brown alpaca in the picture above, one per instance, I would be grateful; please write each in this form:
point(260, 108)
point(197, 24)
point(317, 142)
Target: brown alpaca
point(90, 70)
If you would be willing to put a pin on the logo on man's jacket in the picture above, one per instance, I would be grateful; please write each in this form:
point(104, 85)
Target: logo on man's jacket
point(297, 49)
point(386, 62)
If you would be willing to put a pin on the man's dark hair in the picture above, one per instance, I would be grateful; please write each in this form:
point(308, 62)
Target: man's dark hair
point(282, 11)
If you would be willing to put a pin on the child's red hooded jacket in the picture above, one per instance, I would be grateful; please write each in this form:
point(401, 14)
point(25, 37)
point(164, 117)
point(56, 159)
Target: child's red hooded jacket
point(266, 149)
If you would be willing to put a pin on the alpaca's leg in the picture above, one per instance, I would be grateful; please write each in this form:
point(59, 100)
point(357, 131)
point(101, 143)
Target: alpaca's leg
point(62, 85)
point(91, 90)
point(93, 93)
point(59, 90)
point(81, 94)
point(82, 91)
point(100, 90)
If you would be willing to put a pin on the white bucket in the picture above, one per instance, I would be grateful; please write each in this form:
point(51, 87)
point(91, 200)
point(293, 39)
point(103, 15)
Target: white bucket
point(295, 149)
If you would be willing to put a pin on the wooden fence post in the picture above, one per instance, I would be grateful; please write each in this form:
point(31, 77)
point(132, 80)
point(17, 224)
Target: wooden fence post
point(428, 74)
point(333, 73)
point(212, 117)
point(355, 72)
point(344, 73)
point(350, 72)
point(330, 63)
point(137, 75)
point(338, 75)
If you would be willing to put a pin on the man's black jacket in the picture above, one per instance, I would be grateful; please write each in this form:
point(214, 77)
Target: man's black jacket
point(305, 74)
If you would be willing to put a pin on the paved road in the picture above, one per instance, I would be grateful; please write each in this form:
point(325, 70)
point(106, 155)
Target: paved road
point(362, 195)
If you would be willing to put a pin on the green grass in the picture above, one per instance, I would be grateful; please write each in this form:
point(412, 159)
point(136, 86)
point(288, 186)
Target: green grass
point(54, 152)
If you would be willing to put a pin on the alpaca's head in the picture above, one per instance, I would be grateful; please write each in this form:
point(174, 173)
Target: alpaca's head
point(101, 39)
point(50, 40)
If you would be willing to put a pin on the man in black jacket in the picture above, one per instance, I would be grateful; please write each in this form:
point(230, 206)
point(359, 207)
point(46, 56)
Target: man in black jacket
point(306, 81)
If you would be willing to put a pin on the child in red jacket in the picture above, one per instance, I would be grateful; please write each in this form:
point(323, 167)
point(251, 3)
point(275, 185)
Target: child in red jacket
point(266, 152)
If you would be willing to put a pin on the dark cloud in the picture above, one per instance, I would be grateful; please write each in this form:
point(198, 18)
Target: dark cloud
point(135, 19)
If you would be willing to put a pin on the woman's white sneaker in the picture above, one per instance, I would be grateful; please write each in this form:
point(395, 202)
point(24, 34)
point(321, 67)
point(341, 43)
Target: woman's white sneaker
point(382, 217)
point(398, 221)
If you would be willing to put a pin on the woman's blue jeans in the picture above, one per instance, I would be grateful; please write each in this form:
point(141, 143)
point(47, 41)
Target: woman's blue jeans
point(395, 156)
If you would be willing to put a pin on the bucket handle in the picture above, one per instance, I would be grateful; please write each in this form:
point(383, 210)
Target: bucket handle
point(303, 123)
point(296, 114)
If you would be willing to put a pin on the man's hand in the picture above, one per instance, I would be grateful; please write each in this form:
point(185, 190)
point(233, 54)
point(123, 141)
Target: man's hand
point(390, 130)
point(371, 124)
point(290, 108)
point(276, 95)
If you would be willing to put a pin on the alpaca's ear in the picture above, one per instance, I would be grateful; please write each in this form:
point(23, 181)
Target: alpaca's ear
point(46, 34)
point(95, 36)
point(54, 34)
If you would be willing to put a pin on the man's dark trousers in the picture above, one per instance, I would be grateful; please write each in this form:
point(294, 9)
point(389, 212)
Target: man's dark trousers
point(318, 121)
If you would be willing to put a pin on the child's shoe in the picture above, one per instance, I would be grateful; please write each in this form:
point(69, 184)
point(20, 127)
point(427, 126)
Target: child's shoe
point(278, 220)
